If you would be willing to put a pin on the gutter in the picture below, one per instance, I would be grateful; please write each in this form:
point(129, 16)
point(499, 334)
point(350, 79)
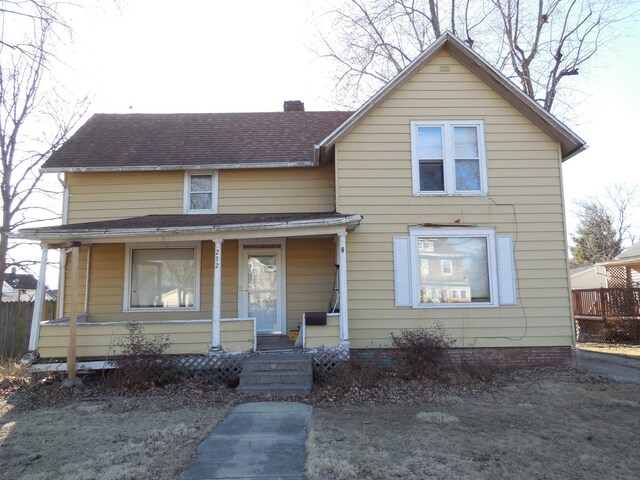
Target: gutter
point(181, 167)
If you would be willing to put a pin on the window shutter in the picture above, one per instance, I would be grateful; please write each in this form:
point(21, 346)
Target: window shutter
point(506, 270)
point(402, 271)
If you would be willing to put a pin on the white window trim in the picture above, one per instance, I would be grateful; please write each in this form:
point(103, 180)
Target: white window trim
point(489, 233)
point(126, 294)
point(187, 191)
point(449, 166)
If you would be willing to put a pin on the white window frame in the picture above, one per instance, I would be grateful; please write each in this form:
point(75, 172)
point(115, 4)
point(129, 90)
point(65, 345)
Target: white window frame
point(449, 165)
point(187, 191)
point(126, 300)
point(488, 233)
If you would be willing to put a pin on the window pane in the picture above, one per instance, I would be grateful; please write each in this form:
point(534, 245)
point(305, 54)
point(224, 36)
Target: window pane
point(162, 278)
point(467, 175)
point(200, 201)
point(466, 142)
point(466, 272)
point(263, 273)
point(201, 183)
point(431, 176)
point(429, 142)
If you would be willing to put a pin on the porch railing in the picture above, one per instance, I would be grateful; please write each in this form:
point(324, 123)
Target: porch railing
point(607, 302)
point(607, 314)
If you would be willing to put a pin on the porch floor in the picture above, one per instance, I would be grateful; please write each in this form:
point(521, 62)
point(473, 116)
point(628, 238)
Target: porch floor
point(274, 342)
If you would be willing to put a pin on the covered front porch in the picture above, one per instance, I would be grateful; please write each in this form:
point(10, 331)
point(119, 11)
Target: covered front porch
point(211, 283)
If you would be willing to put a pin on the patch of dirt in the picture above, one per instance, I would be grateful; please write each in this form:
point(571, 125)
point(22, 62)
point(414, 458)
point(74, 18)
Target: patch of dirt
point(532, 424)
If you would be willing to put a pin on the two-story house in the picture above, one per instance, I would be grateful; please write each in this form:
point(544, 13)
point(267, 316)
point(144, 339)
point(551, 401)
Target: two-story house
point(439, 200)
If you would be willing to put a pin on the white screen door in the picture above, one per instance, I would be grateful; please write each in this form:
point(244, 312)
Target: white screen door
point(262, 285)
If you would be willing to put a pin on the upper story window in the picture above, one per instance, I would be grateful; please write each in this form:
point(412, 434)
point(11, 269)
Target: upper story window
point(448, 158)
point(201, 192)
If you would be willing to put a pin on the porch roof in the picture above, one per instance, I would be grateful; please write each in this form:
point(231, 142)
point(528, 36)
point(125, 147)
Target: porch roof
point(190, 224)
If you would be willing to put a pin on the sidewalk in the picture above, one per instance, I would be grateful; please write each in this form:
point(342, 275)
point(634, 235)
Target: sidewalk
point(256, 440)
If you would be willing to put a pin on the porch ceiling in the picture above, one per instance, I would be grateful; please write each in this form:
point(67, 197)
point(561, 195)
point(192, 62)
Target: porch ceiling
point(190, 226)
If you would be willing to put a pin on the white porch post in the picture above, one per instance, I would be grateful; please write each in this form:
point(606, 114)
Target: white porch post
point(36, 317)
point(342, 282)
point(217, 293)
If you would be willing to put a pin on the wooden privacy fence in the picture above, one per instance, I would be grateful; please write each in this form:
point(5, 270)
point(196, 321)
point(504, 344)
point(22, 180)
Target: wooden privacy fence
point(607, 314)
point(15, 325)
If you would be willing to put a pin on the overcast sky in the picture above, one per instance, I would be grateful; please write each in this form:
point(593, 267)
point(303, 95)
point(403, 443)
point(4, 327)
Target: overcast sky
point(215, 56)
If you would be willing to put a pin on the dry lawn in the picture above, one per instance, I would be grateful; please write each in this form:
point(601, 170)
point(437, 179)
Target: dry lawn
point(100, 432)
point(549, 425)
point(625, 350)
point(111, 439)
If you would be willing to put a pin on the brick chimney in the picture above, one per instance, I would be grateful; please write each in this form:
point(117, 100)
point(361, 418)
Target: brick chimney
point(293, 106)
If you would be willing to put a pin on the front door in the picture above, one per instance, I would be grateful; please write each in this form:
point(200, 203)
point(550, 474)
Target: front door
point(262, 297)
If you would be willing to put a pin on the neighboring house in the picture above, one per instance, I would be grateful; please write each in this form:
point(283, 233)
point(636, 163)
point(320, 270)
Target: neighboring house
point(21, 287)
point(591, 276)
point(624, 270)
point(440, 199)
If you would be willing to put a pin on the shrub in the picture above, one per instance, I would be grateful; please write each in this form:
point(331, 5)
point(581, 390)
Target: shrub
point(419, 350)
point(141, 358)
point(12, 373)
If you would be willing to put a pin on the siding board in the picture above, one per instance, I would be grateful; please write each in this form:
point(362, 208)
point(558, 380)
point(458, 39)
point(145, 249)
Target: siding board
point(373, 164)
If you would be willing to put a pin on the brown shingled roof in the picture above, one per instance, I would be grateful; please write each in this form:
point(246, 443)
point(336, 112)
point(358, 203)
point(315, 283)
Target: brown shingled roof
point(194, 140)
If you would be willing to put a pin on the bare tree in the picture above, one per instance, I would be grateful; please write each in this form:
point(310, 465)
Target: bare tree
point(34, 118)
point(537, 44)
point(621, 200)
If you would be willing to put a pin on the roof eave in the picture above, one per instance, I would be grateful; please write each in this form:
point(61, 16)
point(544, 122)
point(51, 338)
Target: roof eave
point(570, 143)
point(62, 234)
point(621, 262)
point(201, 166)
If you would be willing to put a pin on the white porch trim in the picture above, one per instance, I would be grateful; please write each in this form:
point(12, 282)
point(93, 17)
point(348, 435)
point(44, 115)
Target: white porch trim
point(342, 282)
point(217, 295)
point(36, 317)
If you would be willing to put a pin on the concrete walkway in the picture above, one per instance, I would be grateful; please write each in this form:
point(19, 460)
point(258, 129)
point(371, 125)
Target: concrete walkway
point(620, 369)
point(256, 440)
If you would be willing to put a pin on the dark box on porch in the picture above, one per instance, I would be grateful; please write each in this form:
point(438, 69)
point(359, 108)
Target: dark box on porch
point(315, 318)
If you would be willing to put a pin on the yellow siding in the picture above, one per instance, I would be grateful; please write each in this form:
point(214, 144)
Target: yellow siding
point(277, 190)
point(310, 275)
point(99, 340)
point(106, 285)
point(110, 195)
point(323, 335)
point(237, 335)
point(373, 168)
point(81, 281)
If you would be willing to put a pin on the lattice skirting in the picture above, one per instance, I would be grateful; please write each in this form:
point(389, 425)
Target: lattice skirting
point(214, 368)
point(327, 360)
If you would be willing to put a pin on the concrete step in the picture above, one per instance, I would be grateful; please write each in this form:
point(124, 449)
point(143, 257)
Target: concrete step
point(283, 377)
point(278, 389)
point(278, 362)
point(279, 374)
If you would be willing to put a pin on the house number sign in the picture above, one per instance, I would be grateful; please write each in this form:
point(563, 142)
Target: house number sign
point(217, 258)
